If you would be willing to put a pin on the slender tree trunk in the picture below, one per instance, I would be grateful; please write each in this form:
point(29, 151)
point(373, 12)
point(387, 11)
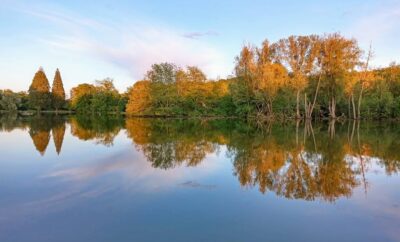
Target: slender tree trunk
point(315, 97)
point(298, 105)
point(297, 131)
point(359, 102)
point(332, 108)
point(348, 108)
point(305, 106)
point(354, 107)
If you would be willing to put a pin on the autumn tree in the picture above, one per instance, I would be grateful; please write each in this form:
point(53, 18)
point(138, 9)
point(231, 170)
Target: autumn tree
point(299, 54)
point(365, 77)
point(39, 91)
point(338, 56)
point(57, 91)
point(139, 98)
point(246, 66)
point(262, 73)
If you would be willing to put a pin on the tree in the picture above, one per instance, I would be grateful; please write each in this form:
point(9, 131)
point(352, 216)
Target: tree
point(299, 54)
point(262, 74)
point(80, 91)
point(9, 100)
point(57, 91)
point(246, 65)
point(365, 78)
point(139, 98)
point(39, 91)
point(194, 74)
point(163, 89)
point(338, 56)
point(162, 73)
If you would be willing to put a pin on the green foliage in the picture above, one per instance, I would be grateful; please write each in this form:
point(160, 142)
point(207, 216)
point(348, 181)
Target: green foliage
point(162, 73)
point(102, 98)
point(10, 101)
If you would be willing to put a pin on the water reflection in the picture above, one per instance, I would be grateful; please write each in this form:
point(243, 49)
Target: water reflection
point(324, 161)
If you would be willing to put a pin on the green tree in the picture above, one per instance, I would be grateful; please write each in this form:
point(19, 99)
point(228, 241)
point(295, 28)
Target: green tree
point(9, 100)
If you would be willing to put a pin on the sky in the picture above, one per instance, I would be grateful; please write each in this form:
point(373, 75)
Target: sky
point(91, 40)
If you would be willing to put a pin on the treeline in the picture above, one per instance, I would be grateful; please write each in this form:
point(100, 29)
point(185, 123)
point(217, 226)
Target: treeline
point(301, 77)
point(102, 97)
point(39, 96)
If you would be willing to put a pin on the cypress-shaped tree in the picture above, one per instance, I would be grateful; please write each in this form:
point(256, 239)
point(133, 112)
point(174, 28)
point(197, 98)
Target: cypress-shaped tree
point(57, 91)
point(39, 91)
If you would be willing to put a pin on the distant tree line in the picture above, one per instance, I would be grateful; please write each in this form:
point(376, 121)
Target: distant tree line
point(299, 77)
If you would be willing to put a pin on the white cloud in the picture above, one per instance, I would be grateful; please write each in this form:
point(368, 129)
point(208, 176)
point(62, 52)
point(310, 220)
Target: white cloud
point(379, 25)
point(133, 46)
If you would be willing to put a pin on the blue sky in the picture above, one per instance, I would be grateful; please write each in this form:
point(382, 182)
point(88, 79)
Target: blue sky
point(91, 40)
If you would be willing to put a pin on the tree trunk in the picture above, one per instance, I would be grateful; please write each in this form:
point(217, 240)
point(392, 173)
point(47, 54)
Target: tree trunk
point(305, 106)
point(311, 109)
point(298, 105)
point(354, 108)
point(348, 108)
point(359, 102)
point(333, 108)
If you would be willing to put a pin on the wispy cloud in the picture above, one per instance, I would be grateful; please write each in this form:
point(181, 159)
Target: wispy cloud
point(133, 47)
point(377, 25)
point(197, 35)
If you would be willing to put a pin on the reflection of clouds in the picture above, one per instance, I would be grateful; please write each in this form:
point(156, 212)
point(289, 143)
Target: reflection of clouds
point(135, 170)
point(380, 201)
point(127, 170)
point(195, 184)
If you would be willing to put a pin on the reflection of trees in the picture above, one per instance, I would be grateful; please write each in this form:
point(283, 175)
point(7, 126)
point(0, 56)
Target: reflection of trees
point(40, 139)
point(58, 133)
point(321, 165)
point(101, 128)
point(11, 121)
point(279, 163)
point(292, 161)
point(379, 140)
point(39, 130)
point(167, 144)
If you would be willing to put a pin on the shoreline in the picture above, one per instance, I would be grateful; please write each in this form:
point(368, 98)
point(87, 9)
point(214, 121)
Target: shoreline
point(154, 116)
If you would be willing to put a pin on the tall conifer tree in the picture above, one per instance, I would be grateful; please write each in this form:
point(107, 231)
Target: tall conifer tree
point(39, 91)
point(57, 91)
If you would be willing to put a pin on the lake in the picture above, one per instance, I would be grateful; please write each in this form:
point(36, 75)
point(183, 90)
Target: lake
point(109, 178)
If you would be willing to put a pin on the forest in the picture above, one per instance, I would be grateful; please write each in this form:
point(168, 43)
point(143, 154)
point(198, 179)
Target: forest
point(299, 77)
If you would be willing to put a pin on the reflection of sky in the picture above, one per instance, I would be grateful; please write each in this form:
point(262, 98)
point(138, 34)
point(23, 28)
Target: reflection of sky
point(95, 193)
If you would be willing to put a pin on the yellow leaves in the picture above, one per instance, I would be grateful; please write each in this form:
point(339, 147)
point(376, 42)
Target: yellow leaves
point(338, 55)
point(40, 83)
point(81, 90)
point(139, 98)
point(245, 63)
point(139, 130)
point(270, 77)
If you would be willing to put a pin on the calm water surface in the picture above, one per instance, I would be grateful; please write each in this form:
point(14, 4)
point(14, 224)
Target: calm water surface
point(114, 179)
